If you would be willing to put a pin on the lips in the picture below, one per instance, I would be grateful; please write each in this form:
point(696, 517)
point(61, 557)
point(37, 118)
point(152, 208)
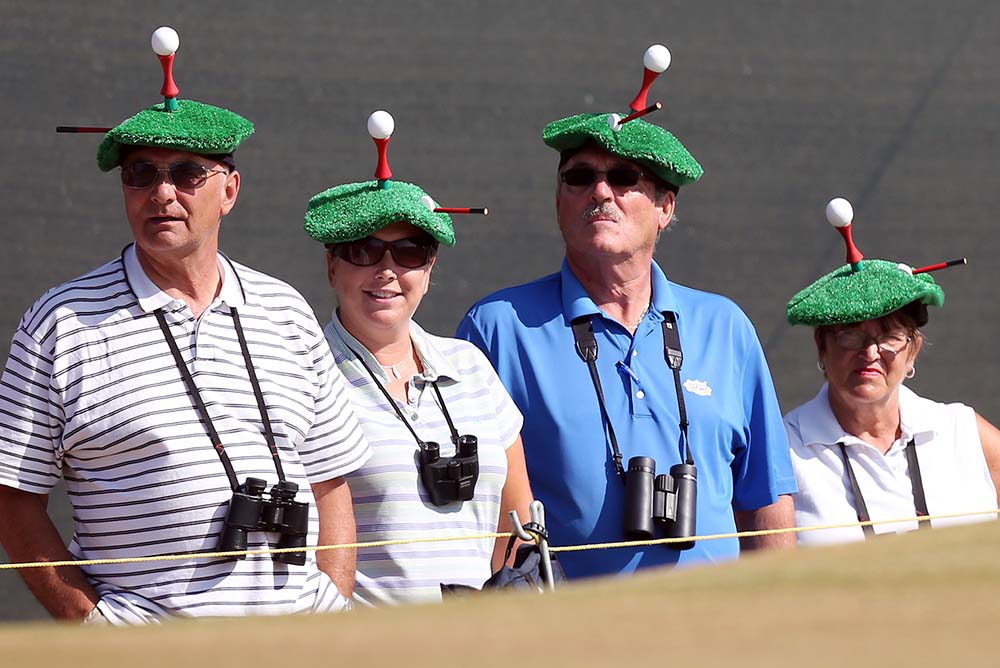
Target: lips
point(382, 295)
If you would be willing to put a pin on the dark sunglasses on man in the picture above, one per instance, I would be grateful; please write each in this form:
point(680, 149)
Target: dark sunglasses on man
point(617, 177)
point(410, 252)
point(184, 175)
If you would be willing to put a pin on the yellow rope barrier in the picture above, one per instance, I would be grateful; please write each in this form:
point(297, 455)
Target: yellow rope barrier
point(443, 539)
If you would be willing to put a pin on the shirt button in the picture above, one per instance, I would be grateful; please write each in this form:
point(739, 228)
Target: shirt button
point(640, 395)
point(635, 353)
point(413, 416)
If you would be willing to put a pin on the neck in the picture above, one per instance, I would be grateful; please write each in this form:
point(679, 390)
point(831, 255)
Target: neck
point(874, 423)
point(388, 346)
point(621, 288)
point(195, 279)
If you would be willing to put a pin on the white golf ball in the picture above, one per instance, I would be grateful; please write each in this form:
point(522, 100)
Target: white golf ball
point(380, 124)
point(165, 41)
point(615, 121)
point(839, 212)
point(429, 202)
point(657, 58)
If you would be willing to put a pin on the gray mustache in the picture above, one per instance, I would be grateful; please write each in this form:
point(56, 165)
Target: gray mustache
point(602, 210)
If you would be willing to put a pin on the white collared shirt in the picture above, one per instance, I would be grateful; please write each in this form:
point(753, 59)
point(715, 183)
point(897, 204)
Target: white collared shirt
point(952, 466)
point(389, 499)
point(91, 394)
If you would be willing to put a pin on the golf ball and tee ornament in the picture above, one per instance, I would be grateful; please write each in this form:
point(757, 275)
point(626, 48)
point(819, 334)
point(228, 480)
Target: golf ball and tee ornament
point(654, 62)
point(380, 127)
point(840, 214)
point(165, 43)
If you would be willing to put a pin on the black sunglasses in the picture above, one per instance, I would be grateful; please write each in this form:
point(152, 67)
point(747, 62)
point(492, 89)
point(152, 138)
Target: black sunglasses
point(617, 177)
point(411, 252)
point(184, 175)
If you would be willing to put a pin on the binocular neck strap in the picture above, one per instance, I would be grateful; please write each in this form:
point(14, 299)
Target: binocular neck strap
point(916, 484)
point(200, 403)
point(675, 358)
point(444, 411)
point(586, 347)
point(399, 413)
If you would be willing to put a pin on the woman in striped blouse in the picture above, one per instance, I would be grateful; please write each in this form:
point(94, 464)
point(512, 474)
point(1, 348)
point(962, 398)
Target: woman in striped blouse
point(445, 435)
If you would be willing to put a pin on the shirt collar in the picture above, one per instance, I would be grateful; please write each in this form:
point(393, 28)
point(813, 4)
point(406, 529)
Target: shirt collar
point(818, 424)
point(437, 367)
point(151, 297)
point(576, 302)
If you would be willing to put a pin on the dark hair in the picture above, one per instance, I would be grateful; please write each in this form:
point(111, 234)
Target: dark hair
point(661, 187)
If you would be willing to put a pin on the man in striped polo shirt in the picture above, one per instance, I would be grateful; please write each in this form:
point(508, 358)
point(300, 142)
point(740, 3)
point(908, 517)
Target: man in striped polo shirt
point(121, 382)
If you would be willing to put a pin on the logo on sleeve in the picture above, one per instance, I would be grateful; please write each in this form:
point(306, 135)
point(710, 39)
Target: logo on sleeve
point(699, 387)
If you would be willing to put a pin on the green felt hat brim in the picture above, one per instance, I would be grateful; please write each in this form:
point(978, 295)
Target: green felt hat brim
point(642, 142)
point(356, 210)
point(194, 127)
point(845, 296)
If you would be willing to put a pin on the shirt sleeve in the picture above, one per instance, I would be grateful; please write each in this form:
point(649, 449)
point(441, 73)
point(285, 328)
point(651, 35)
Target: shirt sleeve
point(508, 417)
point(762, 469)
point(336, 444)
point(30, 420)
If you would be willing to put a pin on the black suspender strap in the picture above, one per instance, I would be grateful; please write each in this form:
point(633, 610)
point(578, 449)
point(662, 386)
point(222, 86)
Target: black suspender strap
point(586, 346)
point(203, 410)
point(917, 482)
point(859, 501)
point(675, 357)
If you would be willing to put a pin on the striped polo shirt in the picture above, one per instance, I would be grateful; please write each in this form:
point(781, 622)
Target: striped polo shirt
point(389, 500)
point(92, 394)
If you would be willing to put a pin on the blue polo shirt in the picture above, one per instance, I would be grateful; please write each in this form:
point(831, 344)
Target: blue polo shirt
point(736, 431)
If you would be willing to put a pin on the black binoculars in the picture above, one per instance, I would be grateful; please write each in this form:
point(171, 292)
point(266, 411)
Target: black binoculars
point(670, 500)
point(250, 511)
point(452, 479)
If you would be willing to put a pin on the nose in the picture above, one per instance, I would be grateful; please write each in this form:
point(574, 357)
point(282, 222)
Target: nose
point(601, 190)
point(386, 264)
point(163, 189)
point(870, 351)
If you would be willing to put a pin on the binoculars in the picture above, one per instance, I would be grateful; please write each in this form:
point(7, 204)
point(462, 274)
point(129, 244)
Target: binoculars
point(250, 511)
point(452, 479)
point(669, 500)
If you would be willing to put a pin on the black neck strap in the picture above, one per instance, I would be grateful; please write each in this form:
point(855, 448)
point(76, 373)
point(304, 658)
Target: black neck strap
point(203, 410)
point(399, 413)
point(586, 347)
point(916, 484)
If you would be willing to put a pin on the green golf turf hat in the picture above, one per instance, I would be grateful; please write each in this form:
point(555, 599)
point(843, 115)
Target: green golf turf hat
point(846, 296)
point(637, 140)
point(183, 125)
point(354, 211)
point(194, 127)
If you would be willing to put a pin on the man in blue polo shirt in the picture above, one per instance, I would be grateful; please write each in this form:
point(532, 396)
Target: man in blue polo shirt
point(616, 194)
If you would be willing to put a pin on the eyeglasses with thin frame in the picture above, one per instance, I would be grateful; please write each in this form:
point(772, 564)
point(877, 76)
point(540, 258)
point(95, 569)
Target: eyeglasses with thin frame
point(409, 252)
point(185, 175)
point(855, 339)
point(617, 177)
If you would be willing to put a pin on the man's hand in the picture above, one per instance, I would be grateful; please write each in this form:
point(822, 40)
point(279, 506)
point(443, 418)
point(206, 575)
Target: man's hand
point(28, 534)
